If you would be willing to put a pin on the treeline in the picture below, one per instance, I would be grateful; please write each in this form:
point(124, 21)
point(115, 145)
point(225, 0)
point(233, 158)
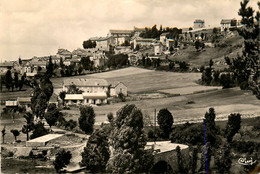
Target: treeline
point(155, 33)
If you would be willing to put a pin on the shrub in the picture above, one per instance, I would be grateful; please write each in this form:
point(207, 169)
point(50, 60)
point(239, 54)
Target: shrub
point(39, 130)
point(62, 159)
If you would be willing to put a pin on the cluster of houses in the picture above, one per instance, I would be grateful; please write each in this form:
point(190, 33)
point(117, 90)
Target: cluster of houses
point(32, 66)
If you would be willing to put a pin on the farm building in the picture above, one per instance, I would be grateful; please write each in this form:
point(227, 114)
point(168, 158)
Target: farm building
point(94, 91)
point(117, 88)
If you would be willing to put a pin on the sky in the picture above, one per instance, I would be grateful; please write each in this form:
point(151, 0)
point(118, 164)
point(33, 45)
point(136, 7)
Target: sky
point(39, 27)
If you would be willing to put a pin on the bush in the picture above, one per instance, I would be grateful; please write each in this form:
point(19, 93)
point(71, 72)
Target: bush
point(39, 130)
point(62, 159)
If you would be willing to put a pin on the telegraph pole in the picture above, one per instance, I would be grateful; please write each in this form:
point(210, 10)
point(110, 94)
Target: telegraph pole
point(154, 126)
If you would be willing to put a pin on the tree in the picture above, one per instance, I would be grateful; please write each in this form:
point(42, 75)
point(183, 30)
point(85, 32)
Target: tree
point(96, 152)
point(226, 80)
point(171, 49)
point(210, 127)
point(62, 159)
point(121, 97)
point(46, 87)
point(61, 63)
point(194, 160)
point(89, 44)
point(50, 68)
point(21, 82)
point(245, 66)
point(85, 62)
point(16, 79)
point(223, 158)
point(8, 79)
point(39, 130)
point(206, 76)
point(210, 63)
point(73, 89)
point(29, 124)
point(127, 143)
point(86, 119)
point(180, 161)
point(197, 45)
point(40, 105)
point(62, 95)
point(16, 133)
point(206, 153)
point(233, 126)
point(52, 114)
point(165, 121)
point(3, 134)
point(110, 117)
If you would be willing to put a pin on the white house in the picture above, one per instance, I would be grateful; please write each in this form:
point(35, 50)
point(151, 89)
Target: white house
point(198, 23)
point(94, 91)
point(227, 23)
point(163, 38)
point(118, 87)
point(158, 49)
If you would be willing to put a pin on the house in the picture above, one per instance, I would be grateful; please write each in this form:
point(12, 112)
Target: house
point(198, 23)
point(144, 42)
point(158, 49)
point(74, 99)
point(63, 53)
point(101, 43)
point(24, 101)
point(5, 66)
point(228, 23)
point(118, 87)
point(122, 49)
point(138, 31)
point(169, 43)
point(81, 52)
point(118, 37)
point(94, 91)
point(11, 103)
point(163, 38)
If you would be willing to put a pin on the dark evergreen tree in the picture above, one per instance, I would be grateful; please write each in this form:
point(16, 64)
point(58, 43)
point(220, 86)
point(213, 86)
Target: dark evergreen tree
point(62, 159)
point(128, 142)
point(29, 124)
point(165, 121)
point(50, 68)
point(86, 119)
point(8, 79)
point(233, 126)
point(96, 152)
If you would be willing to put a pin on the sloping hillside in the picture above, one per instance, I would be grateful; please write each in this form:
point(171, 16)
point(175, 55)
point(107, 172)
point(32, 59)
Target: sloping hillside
point(231, 45)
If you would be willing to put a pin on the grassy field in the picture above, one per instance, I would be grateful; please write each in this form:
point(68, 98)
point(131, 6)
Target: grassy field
point(146, 81)
point(224, 101)
point(140, 80)
point(197, 59)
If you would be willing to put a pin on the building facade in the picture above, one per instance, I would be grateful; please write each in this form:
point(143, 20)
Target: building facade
point(198, 23)
point(94, 91)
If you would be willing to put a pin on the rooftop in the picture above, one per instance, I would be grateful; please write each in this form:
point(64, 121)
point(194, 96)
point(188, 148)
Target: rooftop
point(86, 82)
point(74, 97)
point(199, 21)
point(120, 31)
